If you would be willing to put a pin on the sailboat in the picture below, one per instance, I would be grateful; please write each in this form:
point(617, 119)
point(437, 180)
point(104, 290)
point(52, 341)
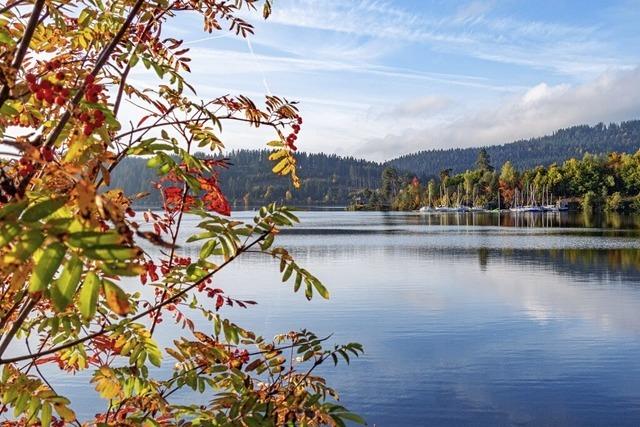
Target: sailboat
point(428, 208)
point(531, 207)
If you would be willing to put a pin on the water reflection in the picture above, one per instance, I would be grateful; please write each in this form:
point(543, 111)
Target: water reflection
point(472, 319)
point(611, 220)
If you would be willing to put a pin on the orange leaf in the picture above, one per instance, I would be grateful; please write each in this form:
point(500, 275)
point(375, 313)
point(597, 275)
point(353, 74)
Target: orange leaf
point(116, 298)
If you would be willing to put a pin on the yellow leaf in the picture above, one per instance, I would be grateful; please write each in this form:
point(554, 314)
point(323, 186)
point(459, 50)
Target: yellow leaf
point(277, 168)
point(64, 412)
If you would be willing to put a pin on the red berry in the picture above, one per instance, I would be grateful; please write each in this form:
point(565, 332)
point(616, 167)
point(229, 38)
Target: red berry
point(98, 115)
point(87, 129)
point(47, 154)
point(45, 84)
point(60, 100)
point(40, 95)
point(60, 75)
point(31, 78)
point(89, 79)
point(84, 117)
point(94, 89)
point(299, 120)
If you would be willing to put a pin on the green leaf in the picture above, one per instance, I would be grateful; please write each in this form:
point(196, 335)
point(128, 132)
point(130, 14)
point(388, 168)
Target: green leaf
point(154, 355)
point(27, 244)
point(308, 291)
point(8, 232)
point(5, 38)
point(88, 239)
point(207, 249)
point(43, 209)
point(287, 272)
point(296, 287)
point(65, 287)
point(154, 162)
point(113, 252)
point(12, 210)
point(120, 268)
point(47, 263)
point(324, 293)
point(45, 415)
point(89, 295)
point(353, 417)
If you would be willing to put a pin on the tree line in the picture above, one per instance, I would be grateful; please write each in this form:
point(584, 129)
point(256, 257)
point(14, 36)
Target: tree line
point(610, 182)
point(332, 180)
point(326, 179)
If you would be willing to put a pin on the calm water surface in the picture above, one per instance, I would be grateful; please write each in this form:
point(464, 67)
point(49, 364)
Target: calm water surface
point(465, 319)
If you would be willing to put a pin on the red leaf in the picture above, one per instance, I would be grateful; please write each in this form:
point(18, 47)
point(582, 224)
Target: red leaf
point(213, 198)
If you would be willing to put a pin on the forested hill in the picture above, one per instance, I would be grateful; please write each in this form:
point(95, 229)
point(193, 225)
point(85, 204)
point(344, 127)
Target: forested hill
point(329, 179)
point(564, 144)
point(326, 179)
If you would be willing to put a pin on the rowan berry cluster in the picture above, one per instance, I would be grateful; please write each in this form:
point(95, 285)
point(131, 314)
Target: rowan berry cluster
point(26, 167)
point(93, 90)
point(51, 91)
point(91, 119)
point(291, 139)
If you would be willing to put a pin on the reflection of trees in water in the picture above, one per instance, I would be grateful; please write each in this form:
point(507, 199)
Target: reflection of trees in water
point(612, 220)
point(483, 258)
point(591, 263)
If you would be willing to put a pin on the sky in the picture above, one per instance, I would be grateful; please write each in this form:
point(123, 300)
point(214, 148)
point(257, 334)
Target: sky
point(381, 78)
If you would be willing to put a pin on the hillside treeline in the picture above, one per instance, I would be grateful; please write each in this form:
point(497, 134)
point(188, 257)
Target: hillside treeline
point(332, 180)
point(564, 144)
point(326, 179)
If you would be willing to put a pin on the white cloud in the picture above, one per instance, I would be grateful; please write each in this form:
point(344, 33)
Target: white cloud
point(613, 96)
point(420, 107)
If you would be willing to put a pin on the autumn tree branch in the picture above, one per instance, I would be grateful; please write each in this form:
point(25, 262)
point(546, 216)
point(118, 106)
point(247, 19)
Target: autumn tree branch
point(150, 310)
point(22, 48)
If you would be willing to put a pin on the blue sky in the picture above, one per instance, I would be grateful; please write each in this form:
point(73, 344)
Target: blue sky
point(380, 78)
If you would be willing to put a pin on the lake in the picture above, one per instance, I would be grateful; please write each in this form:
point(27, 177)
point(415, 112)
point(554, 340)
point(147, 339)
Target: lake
point(466, 319)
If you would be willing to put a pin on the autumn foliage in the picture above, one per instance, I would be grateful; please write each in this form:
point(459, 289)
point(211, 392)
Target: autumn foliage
point(69, 243)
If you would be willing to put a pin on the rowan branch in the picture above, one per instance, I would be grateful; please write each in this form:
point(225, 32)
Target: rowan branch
point(150, 310)
point(17, 324)
point(102, 60)
point(24, 45)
